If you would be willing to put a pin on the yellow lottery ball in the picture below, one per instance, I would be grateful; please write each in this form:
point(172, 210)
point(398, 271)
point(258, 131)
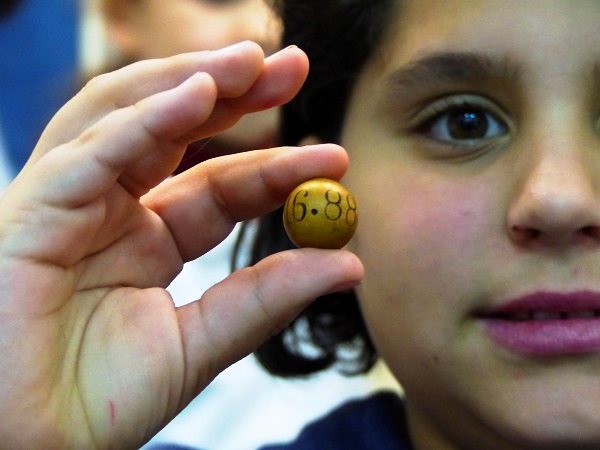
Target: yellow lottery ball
point(320, 213)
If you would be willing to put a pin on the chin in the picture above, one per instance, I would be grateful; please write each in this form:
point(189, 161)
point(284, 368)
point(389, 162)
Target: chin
point(253, 131)
point(559, 430)
point(559, 441)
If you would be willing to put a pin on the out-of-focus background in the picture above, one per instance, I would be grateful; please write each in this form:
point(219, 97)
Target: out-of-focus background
point(39, 59)
point(48, 49)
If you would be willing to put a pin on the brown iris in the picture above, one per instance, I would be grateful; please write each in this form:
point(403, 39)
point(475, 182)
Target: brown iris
point(467, 124)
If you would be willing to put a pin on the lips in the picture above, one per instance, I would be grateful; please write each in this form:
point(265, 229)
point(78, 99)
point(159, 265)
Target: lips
point(547, 323)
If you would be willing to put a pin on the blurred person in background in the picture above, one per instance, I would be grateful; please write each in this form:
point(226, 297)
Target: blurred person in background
point(38, 69)
point(147, 29)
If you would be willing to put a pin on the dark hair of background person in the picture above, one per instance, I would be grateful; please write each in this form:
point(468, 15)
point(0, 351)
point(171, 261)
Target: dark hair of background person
point(7, 7)
point(338, 37)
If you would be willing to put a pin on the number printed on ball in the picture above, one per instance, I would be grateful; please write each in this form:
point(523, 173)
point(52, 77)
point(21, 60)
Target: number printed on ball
point(320, 213)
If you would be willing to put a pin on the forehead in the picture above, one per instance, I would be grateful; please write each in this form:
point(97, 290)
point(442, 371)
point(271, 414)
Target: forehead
point(495, 26)
point(537, 45)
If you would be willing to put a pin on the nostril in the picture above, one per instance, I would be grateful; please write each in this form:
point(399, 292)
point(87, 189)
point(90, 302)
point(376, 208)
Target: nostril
point(591, 231)
point(525, 234)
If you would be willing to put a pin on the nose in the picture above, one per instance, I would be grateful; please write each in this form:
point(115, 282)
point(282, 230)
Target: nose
point(557, 204)
point(262, 25)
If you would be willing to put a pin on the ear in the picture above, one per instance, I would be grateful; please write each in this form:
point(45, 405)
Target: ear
point(122, 27)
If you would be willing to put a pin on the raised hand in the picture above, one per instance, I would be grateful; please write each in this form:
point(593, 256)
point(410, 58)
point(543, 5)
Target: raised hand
point(93, 352)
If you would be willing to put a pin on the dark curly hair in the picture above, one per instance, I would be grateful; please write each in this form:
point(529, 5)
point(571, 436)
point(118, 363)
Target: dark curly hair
point(338, 37)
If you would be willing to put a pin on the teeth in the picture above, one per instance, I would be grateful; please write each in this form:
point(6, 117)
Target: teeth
point(545, 315)
point(521, 316)
point(583, 314)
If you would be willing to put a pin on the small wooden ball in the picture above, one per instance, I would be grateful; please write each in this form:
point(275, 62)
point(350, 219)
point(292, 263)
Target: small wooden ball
point(320, 213)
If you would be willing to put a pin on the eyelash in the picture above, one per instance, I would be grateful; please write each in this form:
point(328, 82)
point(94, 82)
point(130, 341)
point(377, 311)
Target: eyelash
point(434, 120)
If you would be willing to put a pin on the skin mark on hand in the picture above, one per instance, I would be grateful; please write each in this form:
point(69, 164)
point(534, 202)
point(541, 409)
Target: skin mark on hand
point(112, 410)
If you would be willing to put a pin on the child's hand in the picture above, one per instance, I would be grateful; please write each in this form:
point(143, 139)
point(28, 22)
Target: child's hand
point(93, 352)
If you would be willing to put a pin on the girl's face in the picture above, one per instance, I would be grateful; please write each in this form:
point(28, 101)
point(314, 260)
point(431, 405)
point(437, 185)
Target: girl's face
point(159, 28)
point(474, 137)
point(145, 29)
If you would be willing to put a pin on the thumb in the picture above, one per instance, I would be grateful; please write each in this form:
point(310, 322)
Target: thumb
point(237, 315)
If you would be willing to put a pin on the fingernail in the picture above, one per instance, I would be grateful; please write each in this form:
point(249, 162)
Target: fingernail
point(234, 47)
point(289, 47)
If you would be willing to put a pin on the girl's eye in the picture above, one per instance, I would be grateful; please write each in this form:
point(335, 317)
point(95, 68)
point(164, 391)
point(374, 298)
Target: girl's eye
point(466, 124)
point(462, 123)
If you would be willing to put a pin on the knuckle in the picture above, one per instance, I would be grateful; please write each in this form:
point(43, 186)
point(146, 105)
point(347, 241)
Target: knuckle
point(96, 83)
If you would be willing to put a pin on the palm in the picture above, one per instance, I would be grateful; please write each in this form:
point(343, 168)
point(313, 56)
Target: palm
point(120, 334)
point(92, 345)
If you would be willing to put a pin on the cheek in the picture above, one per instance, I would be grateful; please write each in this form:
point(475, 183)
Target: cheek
point(430, 230)
point(256, 130)
point(426, 245)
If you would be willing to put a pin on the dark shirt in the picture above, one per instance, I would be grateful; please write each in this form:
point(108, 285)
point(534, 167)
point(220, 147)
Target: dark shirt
point(377, 422)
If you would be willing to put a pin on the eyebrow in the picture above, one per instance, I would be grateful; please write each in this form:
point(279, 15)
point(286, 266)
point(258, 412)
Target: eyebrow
point(443, 69)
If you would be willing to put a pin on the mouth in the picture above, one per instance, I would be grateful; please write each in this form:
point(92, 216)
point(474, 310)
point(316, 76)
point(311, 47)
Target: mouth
point(546, 323)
